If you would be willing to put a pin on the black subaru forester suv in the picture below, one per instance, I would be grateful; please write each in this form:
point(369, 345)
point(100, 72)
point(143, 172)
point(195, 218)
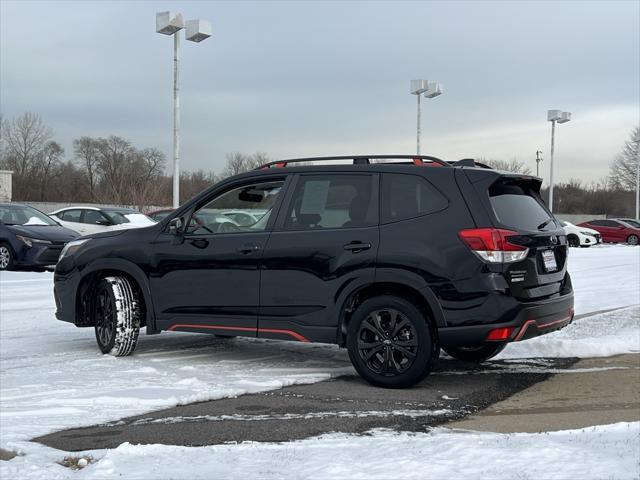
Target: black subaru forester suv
point(391, 257)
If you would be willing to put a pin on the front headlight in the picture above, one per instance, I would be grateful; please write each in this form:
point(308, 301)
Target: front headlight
point(30, 241)
point(587, 233)
point(72, 247)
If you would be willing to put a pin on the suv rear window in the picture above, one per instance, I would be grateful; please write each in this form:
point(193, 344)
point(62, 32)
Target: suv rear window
point(518, 205)
point(408, 196)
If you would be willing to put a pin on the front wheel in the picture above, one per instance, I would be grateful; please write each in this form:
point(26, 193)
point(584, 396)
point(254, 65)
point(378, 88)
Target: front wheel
point(390, 343)
point(6, 257)
point(477, 353)
point(632, 240)
point(116, 313)
point(573, 240)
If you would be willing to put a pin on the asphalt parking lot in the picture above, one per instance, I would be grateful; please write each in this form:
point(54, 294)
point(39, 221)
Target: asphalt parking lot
point(348, 404)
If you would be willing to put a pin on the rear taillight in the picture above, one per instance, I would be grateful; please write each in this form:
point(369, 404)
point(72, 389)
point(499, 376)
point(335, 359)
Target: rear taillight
point(492, 244)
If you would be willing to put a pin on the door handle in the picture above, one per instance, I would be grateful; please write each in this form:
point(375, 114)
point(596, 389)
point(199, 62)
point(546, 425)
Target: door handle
point(248, 249)
point(356, 247)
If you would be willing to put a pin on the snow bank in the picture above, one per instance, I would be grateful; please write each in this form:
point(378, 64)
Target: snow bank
point(609, 451)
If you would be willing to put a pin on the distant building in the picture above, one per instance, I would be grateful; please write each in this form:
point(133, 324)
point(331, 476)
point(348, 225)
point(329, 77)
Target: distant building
point(5, 185)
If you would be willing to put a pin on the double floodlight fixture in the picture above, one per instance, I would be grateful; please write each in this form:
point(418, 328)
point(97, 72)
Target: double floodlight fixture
point(558, 116)
point(426, 88)
point(169, 23)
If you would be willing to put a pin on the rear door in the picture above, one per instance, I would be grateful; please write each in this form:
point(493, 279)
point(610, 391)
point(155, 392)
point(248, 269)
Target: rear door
point(71, 219)
point(517, 206)
point(325, 240)
point(512, 202)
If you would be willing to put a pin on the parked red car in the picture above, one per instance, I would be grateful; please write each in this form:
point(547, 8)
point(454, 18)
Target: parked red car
point(614, 231)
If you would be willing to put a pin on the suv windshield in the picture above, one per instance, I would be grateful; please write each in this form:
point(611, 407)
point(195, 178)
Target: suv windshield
point(23, 215)
point(519, 206)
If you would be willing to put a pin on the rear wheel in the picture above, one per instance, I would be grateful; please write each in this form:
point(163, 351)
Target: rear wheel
point(573, 240)
point(116, 313)
point(390, 343)
point(632, 240)
point(477, 353)
point(6, 257)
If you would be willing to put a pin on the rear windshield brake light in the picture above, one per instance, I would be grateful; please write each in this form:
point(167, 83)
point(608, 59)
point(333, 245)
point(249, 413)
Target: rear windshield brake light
point(492, 244)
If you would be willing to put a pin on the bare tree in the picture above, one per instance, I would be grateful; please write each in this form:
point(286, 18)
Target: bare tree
point(622, 172)
point(51, 160)
point(87, 154)
point(24, 139)
point(512, 165)
point(236, 163)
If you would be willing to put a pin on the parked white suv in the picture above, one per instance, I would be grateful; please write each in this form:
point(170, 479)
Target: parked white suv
point(88, 220)
point(580, 236)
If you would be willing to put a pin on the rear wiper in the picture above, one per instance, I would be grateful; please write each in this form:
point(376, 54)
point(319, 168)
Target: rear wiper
point(545, 223)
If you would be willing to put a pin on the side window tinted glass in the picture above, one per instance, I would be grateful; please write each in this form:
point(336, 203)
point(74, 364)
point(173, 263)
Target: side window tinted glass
point(92, 216)
point(71, 216)
point(408, 196)
point(331, 201)
point(254, 201)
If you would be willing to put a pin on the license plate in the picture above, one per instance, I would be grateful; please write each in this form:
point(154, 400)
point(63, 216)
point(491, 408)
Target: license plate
point(549, 260)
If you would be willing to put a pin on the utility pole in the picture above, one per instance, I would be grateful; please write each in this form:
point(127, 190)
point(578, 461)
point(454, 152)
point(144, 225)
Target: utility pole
point(538, 160)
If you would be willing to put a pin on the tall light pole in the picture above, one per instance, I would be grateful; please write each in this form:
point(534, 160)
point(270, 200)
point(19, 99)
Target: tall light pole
point(554, 116)
point(170, 23)
point(636, 140)
point(430, 90)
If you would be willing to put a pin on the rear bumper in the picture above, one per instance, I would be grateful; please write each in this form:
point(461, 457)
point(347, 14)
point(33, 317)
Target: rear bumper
point(532, 320)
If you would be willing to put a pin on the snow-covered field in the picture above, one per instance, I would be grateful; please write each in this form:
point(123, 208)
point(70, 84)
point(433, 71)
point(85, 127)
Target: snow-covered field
point(52, 377)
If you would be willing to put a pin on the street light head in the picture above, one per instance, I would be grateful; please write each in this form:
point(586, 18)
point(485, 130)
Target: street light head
point(565, 117)
point(418, 87)
point(169, 23)
point(198, 30)
point(554, 115)
point(434, 89)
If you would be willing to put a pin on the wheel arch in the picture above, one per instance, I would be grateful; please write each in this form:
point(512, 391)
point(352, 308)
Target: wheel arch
point(423, 298)
point(105, 267)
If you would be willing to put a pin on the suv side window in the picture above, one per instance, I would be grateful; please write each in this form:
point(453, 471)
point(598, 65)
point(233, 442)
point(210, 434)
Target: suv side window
point(71, 215)
point(257, 199)
point(408, 196)
point(331, 201)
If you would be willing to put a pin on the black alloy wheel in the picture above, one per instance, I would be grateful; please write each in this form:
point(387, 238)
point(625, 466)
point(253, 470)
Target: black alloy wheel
point(104, 316)
point(391, 343)
point(387, 342)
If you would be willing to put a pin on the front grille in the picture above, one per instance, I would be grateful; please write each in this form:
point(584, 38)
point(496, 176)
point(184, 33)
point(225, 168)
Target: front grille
point(50, 256)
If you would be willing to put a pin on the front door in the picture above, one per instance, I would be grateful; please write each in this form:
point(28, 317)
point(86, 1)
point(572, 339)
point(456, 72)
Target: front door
point(207, 278)
point(324, 244)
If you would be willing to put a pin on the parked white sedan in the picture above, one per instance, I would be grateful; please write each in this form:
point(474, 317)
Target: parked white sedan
point(580, 236)
point(88, 220)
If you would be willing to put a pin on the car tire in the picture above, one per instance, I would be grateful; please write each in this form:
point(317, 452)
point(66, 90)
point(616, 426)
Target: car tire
point(573, 240)
point(116, 311)
point(390, 342)
point(7, 257)
point(477, 353)
point(632, 240)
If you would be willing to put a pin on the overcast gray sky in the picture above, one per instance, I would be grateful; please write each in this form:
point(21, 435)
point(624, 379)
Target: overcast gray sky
point(317, 78)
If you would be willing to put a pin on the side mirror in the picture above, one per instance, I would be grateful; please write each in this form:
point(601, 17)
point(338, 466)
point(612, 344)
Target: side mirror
point(105, 223)
point(175, 226)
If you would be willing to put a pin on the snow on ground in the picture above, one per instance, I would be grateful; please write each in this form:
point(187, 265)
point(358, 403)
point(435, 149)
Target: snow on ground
point(609, 451)
point(52, 375)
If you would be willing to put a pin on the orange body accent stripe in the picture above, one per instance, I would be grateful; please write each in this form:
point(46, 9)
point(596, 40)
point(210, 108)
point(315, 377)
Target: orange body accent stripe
point(291, 333)
point(524, 327)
